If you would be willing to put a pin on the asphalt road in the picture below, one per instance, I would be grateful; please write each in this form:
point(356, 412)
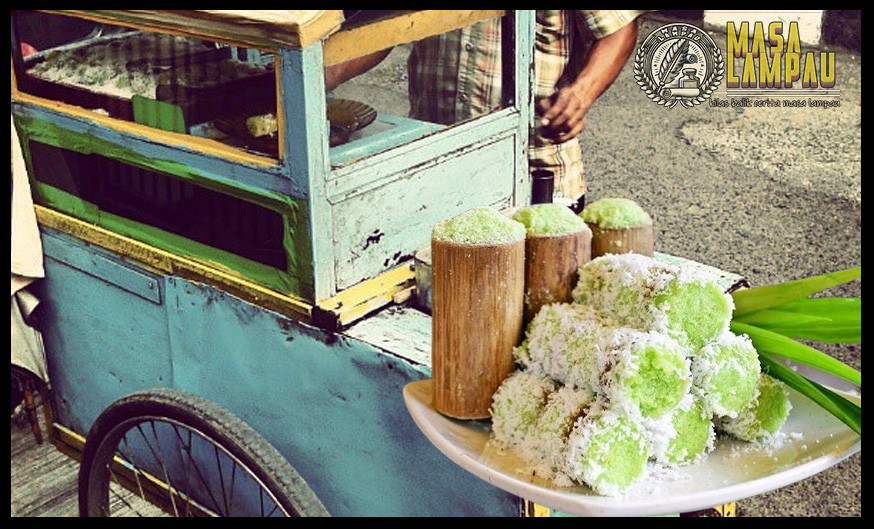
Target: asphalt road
point(774, 194)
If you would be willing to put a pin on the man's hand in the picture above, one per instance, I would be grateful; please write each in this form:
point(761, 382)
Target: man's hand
point(564, 114)
point(340, 73)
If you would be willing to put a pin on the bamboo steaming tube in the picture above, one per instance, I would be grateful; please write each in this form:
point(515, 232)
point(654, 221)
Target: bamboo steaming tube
point(478, 261)
point(558, 243)
point(619, 226)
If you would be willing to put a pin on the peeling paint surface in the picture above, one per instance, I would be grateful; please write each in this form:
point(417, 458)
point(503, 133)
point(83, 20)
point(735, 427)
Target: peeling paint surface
point(331, 404)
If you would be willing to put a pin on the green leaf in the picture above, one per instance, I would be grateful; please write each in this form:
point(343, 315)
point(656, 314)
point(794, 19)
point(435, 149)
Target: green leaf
point(779, 318)
point(776, 344)
point(754, 299)
point(844, 326)
point(831, 308)
point(848, 412)
point(826, 333)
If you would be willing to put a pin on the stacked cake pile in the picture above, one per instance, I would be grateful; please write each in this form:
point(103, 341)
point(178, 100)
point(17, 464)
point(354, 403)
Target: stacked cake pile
point(641, 368)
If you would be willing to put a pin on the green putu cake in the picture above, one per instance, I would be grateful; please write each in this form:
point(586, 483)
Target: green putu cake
point(642, 293)
point(763, 417)
point(549, 220)
point(651, 372)
point(517, 404)
point(607, 451)
point(685, 435)
point(560, 343)
point(483, 225)
point(546, 446)
point(615, 213)
point(641, 372)
point(725, 374)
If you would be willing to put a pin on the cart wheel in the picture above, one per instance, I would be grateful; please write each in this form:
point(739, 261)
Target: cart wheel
point(189, 457)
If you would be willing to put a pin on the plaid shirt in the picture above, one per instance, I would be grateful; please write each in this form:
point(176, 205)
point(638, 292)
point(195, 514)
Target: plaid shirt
point(457, 76)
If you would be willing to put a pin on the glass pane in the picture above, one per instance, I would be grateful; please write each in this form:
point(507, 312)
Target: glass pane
point(202, 215)
point(416, 88)
point(164, 81)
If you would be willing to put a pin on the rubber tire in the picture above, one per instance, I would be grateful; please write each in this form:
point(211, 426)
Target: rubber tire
point(219, 425)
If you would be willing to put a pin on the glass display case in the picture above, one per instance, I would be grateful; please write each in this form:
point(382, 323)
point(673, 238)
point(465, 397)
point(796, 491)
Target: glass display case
point(211, 135)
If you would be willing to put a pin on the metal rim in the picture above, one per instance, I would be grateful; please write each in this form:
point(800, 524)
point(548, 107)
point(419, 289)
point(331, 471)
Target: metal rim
point(111, 454)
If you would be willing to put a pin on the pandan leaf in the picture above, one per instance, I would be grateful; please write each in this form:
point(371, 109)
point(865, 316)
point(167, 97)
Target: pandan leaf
point(776, 344)
point(832, 308)
point(826, 331)
point(779, 318)
point(754, 299)
point(848, 412)
point(830, 320)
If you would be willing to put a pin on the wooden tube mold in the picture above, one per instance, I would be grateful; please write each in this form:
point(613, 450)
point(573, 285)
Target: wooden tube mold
point(551, 265)
point(478, 293)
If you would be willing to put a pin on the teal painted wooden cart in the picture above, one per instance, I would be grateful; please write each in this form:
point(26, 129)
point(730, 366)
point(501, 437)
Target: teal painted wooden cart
point(260, 280)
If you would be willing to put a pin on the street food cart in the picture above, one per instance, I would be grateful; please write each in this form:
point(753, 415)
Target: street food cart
point(215, 226)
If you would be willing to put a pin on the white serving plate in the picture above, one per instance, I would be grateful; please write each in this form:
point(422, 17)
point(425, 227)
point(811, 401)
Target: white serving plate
point(813, 440)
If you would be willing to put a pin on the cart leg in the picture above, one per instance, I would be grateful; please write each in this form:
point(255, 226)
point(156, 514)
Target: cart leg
point(533, 510)
point(30, 408)
point(729, 510)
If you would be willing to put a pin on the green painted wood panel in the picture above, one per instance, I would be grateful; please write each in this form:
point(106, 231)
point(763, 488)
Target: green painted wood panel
point(302, 96)
point(385, 225)
point(331, 404)
point(102, 342)
point(121, 275)
point(380, 169)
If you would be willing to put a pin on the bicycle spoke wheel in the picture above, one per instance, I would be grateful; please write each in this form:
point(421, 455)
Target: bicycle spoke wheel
point(189, 457)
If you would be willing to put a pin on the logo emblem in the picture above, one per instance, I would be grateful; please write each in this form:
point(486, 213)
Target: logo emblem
point(678, 63)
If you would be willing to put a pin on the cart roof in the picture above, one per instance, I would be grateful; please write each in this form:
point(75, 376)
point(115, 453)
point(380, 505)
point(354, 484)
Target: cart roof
point(294, 28)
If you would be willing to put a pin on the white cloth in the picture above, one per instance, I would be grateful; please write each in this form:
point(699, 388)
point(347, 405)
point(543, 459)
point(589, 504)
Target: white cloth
point(26, 267)
point(27, 346)
point(26, 246)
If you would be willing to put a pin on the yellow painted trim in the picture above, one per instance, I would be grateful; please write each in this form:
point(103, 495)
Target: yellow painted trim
point(66, 441)
point(356, 302)
point(341, 310)
point(280, 109)
point(359, 41)
point(534, 510)
point(173, 139)
point(175, 264)
point(15, 91)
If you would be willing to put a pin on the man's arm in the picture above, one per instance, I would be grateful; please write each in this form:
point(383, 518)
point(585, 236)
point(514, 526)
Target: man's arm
point(340, 73)
point(564, 113)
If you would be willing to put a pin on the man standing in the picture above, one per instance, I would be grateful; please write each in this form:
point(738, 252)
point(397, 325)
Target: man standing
point(577, 56)
point(457, 76)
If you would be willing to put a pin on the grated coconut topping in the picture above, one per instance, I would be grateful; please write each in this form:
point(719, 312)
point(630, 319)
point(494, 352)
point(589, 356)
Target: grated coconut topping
point(550, 220)
point(615, 213)
point(609, 374)
point(482, 225)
